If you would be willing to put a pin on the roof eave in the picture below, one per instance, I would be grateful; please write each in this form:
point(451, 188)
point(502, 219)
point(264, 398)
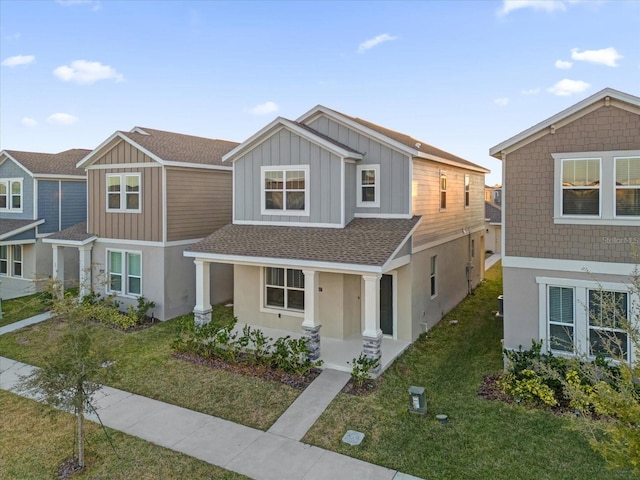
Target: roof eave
point(470, 166)
point(22, 229)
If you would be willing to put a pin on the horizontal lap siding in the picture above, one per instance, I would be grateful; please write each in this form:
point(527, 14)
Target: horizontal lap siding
point(529, 193)
point(198, 202)
point(437, 224)
point(9, 169)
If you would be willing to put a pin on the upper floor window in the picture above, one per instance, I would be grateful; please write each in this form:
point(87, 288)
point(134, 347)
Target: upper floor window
point(11, 195)
point(628, 186)
point(285, 190)
point(443, 191)
point(597, 188)
point(368, 185)
point(467, 191)
point(124, 272)
point(123, 192)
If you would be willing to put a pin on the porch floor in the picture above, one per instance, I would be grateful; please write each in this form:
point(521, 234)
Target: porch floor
point(336, 353)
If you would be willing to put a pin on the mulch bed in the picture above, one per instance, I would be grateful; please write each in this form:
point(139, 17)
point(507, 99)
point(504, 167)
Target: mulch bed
point(490, 390)
point(69, 468)
point(299, 382)
point(367, 387)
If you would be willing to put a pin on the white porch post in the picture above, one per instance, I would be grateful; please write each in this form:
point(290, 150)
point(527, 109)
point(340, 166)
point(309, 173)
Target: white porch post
point(311, 323)
point(372, 335)
point(58, 269)
point(202, 310)
point(85, 269)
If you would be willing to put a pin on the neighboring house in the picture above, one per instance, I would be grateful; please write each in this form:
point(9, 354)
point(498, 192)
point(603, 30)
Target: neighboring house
point(40, 193)
point(151, 194)
point(346, 230)
point(493, 223)
point(493, 194)
point(571, 188)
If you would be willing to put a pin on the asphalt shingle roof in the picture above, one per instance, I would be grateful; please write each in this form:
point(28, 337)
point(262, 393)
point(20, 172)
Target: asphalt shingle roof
point(75, 233)
point(177, 147)
point(9, 225)
point(492, 212)
point(63, 163)
point(364, 241)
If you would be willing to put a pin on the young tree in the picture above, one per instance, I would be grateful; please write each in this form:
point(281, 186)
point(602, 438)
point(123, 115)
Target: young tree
point(75, 370)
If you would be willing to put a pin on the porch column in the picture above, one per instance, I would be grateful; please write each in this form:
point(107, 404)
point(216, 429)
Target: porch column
point(311, 324)
point(85, 270)
point(58, 270)
point(202, 310)
point(372, 335)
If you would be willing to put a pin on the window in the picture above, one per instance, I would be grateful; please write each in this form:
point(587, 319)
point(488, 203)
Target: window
point(285, 190)
point(368, 185)
point(124, 272)
point(628, 187)
point(561, 319)
point(284, 288)
point(594, 188)
point(11, 260)
point(473, 248)
point(581, 187)
point(467, 191)
point(11, 195)
point(4, 260)
point(123, 192)
point(608, 313)
point(433, 276)
point(443, 191)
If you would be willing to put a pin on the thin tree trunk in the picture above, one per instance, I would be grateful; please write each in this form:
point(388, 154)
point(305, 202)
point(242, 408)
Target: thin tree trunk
point(80, 416)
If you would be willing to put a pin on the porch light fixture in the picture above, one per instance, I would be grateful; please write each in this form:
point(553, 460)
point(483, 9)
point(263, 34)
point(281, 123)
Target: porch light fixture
point(417, 401)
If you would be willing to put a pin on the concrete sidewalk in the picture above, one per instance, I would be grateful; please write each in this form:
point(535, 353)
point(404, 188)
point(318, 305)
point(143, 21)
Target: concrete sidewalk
point(491, 261)
point(254, 453)
point(25, 323)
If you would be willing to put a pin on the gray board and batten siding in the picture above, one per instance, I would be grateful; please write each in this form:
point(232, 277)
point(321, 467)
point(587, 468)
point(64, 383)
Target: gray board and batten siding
point(9, 169)
point(395, 179)
point(287, 148)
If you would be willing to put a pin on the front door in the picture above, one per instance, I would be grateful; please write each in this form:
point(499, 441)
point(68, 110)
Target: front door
point(386, 304)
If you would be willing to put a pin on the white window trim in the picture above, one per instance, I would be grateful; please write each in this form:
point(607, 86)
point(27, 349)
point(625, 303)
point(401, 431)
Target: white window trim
point(359, 202)
point(607, 189)
point(433, 275)
point(467, 190)
point(123, 192)
point(8, 182)
point(11, 261)
point(284, 211)
point(622, 187)
point(263, 296)
point(580, 314)
point(441, 190)
point(125, 276)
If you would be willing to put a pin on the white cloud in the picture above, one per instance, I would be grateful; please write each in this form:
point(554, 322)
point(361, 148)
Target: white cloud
point(95, 4)
point(501, 102)
point(563, 64)
point(29, 122)
point(605, 56)
point(509, 6)
point(18, 60)
point(61, 119)
point(264, 108)
point(568, 87)
point(372, 42)
point(86, 73)
point(531, 91)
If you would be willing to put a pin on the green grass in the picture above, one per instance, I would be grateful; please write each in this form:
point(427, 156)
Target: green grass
point(145, 366)
point(483, 439)
point(35, 440)
point(20, 308)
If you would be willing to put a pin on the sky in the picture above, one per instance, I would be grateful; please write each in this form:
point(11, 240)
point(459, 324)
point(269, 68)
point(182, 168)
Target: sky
point(460, 75)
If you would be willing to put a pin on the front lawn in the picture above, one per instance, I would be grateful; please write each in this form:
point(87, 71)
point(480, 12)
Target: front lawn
point(20, 308)
point(147, 367)
point(35, 440)
point(483, 439)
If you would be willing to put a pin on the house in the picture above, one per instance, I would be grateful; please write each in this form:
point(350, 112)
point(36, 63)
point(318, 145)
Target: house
point(356, 235)
point(151, 194)
point(40, 193)
point(493, 194)
point(571, 187)
point(493, 224)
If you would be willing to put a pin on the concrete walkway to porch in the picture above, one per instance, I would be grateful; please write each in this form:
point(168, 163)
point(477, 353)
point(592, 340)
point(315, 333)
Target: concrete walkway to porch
point(491, 261)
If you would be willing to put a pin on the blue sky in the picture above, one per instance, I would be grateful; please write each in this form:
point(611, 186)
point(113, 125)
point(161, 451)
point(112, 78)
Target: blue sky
point(460, 75)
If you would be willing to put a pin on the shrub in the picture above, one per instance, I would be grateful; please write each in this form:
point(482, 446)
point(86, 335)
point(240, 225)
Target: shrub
point(362, 367)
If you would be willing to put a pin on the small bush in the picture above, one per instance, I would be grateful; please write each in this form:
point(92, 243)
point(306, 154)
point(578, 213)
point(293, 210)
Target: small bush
point(362, 368)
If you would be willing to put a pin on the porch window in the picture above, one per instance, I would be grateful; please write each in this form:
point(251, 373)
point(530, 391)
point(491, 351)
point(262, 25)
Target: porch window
point(443, 191)
point(284, 288)
point(11, 195)
point(608, 314)
point(581, 186)
point(125, 272)
point(561, 318)
point(285, 190)
point(123, 192)
point(368, 186)
point(628, 186)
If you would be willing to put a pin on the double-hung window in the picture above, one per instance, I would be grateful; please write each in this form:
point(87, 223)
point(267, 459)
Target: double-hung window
point(467, 191)
point(608, 314)
point(284, 288)
point(124, 272)
point(11, 195)
point(285, 190)
point(561, 321)
point(123, 192)
point(11, 260)
point(368, 185)
point(627, 187)
point(581, 186)
point(4, 259)
point(443, 191)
